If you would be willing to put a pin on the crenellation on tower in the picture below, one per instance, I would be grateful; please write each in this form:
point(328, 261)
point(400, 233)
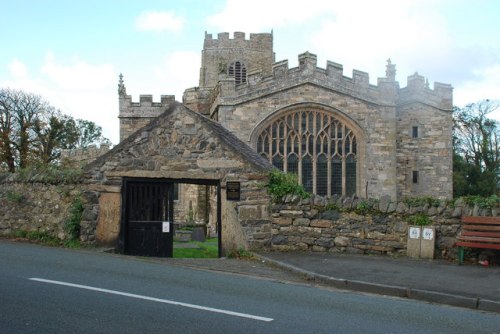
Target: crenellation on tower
point(134, 115)
point(417, 90)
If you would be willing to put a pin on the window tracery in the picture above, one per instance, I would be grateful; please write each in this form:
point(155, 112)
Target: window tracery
point(238, 71)
point(316, 146)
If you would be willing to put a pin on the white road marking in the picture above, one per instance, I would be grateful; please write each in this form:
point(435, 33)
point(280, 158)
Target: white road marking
point(158, 300)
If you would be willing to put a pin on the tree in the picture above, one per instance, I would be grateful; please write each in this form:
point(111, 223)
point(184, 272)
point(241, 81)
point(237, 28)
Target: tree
point(31, 130)
point(476, 150)
point(18, 110)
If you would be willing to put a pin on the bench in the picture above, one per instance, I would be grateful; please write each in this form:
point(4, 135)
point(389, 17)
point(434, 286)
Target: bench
point(478, 232)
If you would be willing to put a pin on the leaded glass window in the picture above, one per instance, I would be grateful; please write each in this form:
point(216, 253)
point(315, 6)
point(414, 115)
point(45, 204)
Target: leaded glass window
point(315, 145)
point(238, 71)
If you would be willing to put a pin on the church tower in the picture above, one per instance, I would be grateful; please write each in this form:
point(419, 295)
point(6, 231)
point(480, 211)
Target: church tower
point(226, 59)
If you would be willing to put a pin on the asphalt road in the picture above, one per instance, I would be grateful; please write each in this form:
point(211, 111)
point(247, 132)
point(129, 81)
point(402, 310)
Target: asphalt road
point(50, 290)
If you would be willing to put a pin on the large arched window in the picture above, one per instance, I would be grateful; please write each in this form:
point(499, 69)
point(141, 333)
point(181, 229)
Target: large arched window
point(238, 71)
point(316, 146)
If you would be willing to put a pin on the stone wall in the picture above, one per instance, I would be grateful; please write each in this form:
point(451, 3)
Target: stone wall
point(185, 147)
point(382, 117)
point(334, 226)
point(82, 156)
point(256, 53)
point(39, 207)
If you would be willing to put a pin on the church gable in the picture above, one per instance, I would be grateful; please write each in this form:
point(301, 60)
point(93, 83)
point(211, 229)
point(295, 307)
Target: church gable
point(179, 144)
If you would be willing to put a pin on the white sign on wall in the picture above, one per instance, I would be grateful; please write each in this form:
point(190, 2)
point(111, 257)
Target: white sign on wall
point(414, 233)
point(165, 227)
point(428, 234)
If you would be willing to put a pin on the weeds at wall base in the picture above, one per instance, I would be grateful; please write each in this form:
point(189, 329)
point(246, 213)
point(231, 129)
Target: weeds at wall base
point(43, 238)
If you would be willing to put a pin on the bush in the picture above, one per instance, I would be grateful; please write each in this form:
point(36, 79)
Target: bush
point(13, 196)
point(419, 220)
point(72, 225)
point(482, 202)
point(283, 184)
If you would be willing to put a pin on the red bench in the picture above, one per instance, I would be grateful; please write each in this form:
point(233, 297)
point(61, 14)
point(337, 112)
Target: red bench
point(478, 232)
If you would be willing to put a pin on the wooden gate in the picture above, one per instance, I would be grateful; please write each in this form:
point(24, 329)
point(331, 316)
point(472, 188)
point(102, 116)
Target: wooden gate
point(148, 217)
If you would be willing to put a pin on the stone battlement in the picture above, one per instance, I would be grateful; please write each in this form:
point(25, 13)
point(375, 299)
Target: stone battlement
point(146, 107)
point(386, 91)
point(83, 156)
point(256, 41)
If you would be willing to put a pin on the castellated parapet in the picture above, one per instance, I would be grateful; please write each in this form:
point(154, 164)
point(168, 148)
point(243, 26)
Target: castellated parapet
point(404, 133)
point(386, 92)
point(218, 54)
point(135, 115)
point(256, 41)
point(83, 156)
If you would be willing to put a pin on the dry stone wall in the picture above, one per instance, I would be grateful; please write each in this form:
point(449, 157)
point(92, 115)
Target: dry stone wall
point(334, 226)
point(44, 208)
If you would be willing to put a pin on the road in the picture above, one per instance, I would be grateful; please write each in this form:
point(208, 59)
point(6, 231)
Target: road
point(51, 290)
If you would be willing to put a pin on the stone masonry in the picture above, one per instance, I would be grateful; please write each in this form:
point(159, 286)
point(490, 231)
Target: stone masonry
point(404, 145)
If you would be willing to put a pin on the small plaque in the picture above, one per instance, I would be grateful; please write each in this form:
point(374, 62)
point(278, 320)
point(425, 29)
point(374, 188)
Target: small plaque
point(428, 234)
point(414, 233)
point(232, 191)
point(165, 227)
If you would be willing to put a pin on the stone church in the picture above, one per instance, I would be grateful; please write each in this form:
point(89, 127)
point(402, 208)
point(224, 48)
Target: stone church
point(341, 135)
point(204, 161)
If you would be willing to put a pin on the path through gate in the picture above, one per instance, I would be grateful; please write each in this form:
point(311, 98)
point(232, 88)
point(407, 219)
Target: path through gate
point(148, 214)
point(147, 218)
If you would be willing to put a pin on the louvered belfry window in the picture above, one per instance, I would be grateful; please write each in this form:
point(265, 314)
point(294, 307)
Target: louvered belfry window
point(238, 70)
point(316, 146)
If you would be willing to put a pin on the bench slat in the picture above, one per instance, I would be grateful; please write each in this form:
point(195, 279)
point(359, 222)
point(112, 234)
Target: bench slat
point(481, 234)
point(481, 220)
point(477, 245)
point(481, 227)
point(481, 239)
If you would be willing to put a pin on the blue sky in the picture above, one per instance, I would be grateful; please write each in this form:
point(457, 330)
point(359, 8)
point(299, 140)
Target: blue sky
point(71, 52)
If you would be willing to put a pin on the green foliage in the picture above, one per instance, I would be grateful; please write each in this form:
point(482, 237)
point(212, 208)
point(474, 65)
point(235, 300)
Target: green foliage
point(49, 174)
point(13, 196)
point(476, 150)
point(72, 243)
point(19, 234)
point(364, 207)
point(33, 131)
point(72, 225)
point(419, 219)
point(482, 202)
point(240, 253)
point(421, 201)
point(283, 184)
point(37, 236)
point(207, 249)
point(45, 238)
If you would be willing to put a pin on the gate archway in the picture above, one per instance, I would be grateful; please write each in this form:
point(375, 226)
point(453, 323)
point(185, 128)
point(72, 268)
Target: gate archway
point(147, 223)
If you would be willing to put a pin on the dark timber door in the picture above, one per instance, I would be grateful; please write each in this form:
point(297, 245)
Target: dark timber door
point(148, 217)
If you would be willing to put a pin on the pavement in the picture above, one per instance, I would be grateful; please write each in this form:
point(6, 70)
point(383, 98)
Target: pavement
point(435, 281)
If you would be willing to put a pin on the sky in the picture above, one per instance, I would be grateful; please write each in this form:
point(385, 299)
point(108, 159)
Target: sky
point(72, 52)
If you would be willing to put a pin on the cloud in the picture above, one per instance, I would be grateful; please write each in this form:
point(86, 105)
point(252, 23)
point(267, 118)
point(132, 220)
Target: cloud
point(79, 89)
point(159, 21)
point(486, 85)
point(178, 70)
point(18, 69)
point(242, 15)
